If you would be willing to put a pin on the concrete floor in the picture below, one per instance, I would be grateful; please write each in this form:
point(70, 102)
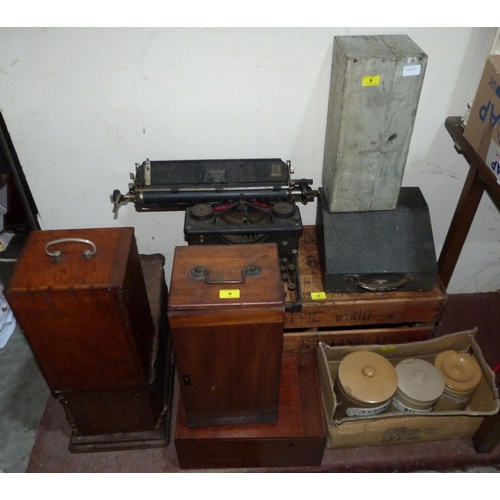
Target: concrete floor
point(23, 398)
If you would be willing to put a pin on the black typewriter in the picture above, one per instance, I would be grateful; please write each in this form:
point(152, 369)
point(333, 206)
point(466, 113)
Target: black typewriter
point(229, 202)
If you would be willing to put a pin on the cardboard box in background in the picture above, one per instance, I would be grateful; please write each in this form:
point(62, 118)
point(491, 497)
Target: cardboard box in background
point(483, 125)
point(393, 428)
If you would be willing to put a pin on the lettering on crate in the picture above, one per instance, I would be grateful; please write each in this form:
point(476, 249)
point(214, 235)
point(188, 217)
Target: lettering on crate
point(356, 315)
point(431, 431)
point(311, 343)
point(303, 318)
point(311, 283)
point(400, 434)
point(308, 345)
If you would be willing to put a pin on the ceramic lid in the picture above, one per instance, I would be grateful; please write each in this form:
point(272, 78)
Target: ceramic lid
point(460, 370)
point(367, 377)
point(419, 380)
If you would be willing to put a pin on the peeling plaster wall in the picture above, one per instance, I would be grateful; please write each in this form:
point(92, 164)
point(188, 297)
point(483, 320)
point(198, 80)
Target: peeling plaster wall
point(84, 105)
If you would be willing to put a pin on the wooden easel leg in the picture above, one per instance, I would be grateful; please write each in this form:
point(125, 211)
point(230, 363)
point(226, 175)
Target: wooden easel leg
point(472, 193)
point(488, 435)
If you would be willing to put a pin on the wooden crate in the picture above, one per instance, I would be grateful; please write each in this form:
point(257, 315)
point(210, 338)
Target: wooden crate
point(307, 340)
point(356, 318)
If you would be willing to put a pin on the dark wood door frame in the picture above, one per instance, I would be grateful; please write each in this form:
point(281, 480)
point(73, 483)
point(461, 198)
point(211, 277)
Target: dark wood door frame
point(22, 211)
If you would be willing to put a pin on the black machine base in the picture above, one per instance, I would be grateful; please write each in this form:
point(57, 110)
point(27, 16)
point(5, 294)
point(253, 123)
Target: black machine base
point(377, 251)
point(245, 222)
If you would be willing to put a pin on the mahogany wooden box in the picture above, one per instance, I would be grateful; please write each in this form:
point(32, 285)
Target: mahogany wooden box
point(356, 318)
point(226, 313)
point(80, 298)
point(130, 418)
point(298, 438)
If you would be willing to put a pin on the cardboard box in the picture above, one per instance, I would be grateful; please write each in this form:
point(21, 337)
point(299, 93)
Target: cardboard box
point(483, 126)
point(392, 428)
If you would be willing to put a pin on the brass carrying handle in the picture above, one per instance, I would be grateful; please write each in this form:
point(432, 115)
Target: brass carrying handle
point(381, 285)
point(201, 272)
point(57, 254)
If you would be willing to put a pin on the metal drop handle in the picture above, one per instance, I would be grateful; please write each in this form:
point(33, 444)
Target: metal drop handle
point(57, 254)
point(381, 285)
point(201, 272)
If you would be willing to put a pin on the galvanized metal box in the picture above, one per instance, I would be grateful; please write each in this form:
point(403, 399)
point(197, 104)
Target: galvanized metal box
point(374, 92)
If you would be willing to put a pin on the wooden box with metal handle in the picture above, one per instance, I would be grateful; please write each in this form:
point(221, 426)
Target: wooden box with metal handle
point(226, 314)
point(80, 298)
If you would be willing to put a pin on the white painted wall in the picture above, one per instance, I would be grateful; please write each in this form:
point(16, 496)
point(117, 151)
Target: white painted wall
point(84, 105)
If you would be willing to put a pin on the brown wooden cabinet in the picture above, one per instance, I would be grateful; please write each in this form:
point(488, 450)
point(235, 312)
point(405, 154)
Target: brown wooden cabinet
point(226, 313)
point(80, 298)
point(130, 418)
point(110, 327)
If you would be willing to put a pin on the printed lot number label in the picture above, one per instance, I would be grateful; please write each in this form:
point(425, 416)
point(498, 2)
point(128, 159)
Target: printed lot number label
point(229, 294)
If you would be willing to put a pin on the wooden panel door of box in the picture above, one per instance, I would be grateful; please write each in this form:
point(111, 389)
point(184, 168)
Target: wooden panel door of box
point(229, 373)
point(96, 417)
point(135, 418)
point(92, 413)
point(84, 310)
point(227, 332)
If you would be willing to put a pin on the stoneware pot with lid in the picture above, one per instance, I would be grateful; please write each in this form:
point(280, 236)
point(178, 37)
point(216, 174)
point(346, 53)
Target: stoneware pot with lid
point(365, 384)
point(462, 374)
point(420, 385)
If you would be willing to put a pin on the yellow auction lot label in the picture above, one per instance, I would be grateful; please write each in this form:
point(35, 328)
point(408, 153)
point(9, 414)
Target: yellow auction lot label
point(229, 294)
point(370, 81)
point(318, 295)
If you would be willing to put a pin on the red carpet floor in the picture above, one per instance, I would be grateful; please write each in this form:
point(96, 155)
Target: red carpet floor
point(462, 312)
